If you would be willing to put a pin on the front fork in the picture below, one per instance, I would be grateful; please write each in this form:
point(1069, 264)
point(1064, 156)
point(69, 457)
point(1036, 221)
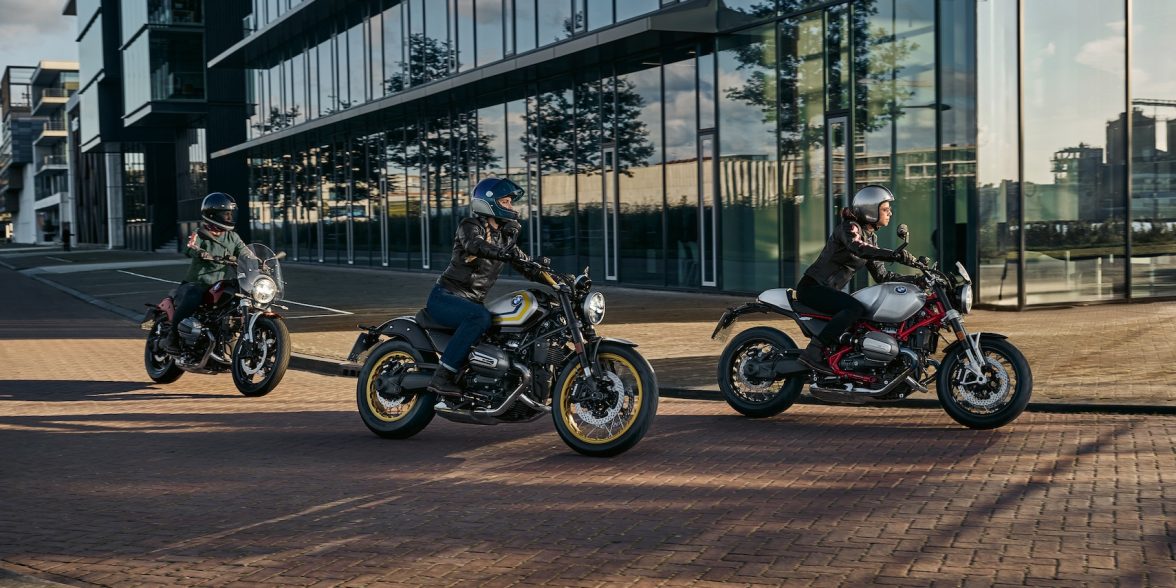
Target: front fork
point(971, 348)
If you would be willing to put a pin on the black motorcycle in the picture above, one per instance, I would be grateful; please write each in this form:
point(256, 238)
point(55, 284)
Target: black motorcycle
point(236, 314)
point(541, 355)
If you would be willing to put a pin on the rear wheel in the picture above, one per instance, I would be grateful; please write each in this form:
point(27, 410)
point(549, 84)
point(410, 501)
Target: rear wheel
point(993, 403)
point(161, 367)
point(742, 366)
point(260, 364)
point(611, 413)
point(396, 414)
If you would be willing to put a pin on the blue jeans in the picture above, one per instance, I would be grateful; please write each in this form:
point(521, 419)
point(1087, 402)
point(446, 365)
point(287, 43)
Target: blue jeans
point(469, 318)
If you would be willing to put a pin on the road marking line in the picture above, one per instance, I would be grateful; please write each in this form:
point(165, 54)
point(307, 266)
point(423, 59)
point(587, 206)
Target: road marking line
point(327, 308)
point(60, 259)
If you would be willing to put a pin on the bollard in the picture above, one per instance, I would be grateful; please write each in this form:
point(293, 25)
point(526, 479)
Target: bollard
point(1098, 274)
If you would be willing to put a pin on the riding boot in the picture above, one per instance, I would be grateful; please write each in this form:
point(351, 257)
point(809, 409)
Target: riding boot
point(443, 384)
point(171, 345)
point(813, 356)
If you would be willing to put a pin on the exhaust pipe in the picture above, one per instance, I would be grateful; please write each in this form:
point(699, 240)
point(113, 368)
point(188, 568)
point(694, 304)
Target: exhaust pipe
point(858, 395)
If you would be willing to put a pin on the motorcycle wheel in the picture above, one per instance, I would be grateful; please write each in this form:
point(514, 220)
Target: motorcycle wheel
point(751, 397)
point(993, 404)
point(398, 418)
point(260, 364)
point(613, 424)
point(161, 367)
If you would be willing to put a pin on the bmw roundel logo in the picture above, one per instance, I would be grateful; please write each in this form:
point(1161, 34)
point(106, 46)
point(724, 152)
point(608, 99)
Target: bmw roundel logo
point(901, 289)
point(517, 301)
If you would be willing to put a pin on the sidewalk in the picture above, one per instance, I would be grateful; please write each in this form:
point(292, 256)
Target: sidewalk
point(1111, 356)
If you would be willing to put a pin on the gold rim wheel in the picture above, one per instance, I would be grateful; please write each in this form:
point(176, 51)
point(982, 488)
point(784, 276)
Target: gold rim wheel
point(625, 409)
point(389, 411)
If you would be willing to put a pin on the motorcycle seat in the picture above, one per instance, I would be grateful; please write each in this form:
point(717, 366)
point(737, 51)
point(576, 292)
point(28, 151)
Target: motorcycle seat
point(426, 322)
point(800, 307)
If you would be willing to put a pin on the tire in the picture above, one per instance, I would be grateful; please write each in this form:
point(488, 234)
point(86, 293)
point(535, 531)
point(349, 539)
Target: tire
point(267, 356)
point(752, 398)
point(975, 406)
point(392, 419)
point(161, 368)
point(631, 408)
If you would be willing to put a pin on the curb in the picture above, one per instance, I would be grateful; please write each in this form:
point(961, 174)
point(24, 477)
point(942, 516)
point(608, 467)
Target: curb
point(12, 579)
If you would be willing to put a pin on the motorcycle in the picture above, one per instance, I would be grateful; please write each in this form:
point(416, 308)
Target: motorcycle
point(541, 355)
point(983, 382)
point(236, 314)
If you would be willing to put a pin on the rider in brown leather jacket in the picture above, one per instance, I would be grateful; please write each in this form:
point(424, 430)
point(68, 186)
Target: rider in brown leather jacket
point(853, 244)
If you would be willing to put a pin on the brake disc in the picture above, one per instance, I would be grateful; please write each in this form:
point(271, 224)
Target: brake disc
point(586, 414)
point(993, 394)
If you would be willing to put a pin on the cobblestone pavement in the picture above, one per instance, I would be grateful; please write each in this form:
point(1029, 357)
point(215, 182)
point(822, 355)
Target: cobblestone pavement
point(109, 480)
point(1093, 355)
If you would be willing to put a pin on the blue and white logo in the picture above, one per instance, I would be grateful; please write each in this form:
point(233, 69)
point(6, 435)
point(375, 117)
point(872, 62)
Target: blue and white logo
point(901, 289)
point(517, 301)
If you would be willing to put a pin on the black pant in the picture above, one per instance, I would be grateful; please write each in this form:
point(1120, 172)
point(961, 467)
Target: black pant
point(846, 309)
point(187, 299)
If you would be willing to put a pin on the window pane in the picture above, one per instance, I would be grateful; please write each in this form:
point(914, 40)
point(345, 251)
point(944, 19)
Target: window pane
point(807, 210)
point(435, 53)
point(355, 67)
point(297, 91)
point(750, 254)
point(958, 133)
point(736, 13)
point(555, 21)
point(394, 49)
point(1073, 199)
point(896, 116)
point(682, 193)
point(627, 9)
point(589, 180)
point(374, 44)
point(465, 35)
point(489, 16)
point(555, 147)
point(996, 162)
point(600, 13)
point(525, 24)
point(638, 135)
point(1153, 150)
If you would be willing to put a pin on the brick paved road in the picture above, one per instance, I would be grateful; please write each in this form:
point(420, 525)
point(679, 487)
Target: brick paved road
point(107, 480)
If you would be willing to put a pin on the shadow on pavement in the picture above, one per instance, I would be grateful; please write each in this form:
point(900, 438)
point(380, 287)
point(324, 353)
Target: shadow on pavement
point(71, 390)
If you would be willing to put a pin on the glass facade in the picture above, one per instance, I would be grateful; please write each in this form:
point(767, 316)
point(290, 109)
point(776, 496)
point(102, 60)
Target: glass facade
point(722, 162)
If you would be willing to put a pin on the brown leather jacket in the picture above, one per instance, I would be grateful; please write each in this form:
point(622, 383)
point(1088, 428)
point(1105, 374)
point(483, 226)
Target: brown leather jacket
point(479, 252)
point(850, 247)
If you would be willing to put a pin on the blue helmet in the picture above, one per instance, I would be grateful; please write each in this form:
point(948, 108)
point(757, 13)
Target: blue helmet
point(488, 192)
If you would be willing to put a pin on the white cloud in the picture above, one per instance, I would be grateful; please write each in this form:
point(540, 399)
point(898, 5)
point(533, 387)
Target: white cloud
point(1106, 55)
point(35, 30)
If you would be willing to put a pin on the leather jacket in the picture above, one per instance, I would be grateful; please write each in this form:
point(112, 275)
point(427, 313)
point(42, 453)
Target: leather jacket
point(479, 252)
point(850, 247)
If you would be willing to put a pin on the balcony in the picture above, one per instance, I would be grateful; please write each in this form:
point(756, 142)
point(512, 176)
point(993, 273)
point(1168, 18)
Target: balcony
point(53, 163)
point(52, 99)
point(54, 131)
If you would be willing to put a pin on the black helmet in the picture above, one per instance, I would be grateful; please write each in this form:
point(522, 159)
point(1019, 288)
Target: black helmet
point(219, 210)
point(867, 201)
point(489, 191)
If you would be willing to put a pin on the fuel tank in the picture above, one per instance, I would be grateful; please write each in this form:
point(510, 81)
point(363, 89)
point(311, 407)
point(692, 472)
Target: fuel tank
point(513, 309)
point(892, 302)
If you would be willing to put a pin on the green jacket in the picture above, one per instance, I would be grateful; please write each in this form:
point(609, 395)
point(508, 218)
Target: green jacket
point(207, 273)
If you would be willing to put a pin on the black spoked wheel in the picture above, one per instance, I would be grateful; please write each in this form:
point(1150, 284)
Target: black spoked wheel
point(398, 415)
point(260, 363)
point(996, 400)
point(161, 367)
point(610, 414)
point(742, 384)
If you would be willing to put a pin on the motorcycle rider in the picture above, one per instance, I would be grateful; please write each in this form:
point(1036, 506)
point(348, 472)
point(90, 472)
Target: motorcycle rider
point(483, 243)
point(215, 238)
point(853, 244)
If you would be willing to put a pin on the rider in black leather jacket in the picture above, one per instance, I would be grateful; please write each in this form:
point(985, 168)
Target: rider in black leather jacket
point(482, 245)
point(853, 244)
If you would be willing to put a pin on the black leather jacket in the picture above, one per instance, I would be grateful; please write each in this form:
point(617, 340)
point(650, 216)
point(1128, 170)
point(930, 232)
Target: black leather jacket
point(849, 248)
point(478, 254)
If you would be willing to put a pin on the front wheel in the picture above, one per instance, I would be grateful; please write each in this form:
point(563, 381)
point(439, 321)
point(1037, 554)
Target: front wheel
point(397, 413)
point(609, 413)
point(259, 364)
point(747, 378)
point(991, 404)
point(161, 367)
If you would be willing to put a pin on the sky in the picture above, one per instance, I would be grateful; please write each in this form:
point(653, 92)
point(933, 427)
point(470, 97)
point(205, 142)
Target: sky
point(35, 30)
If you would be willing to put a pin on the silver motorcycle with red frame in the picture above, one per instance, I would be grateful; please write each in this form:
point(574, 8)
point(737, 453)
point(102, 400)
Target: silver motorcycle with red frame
point(235, 329)
point(983, 380)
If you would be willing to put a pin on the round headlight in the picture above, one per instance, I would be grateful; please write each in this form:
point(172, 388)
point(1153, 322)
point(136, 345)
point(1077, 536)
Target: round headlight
point(594, 308)
point(264, 290)
point(965, 294)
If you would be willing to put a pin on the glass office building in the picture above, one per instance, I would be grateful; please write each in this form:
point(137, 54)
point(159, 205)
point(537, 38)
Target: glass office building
point(708, 144)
